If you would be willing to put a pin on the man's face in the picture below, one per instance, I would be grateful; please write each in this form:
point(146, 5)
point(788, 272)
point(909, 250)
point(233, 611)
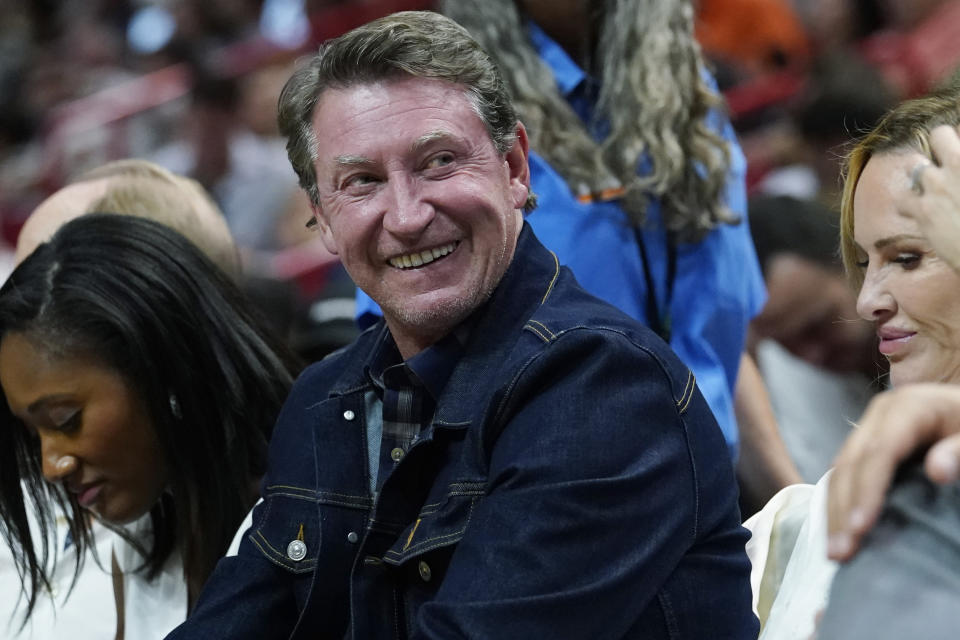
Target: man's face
point(812, 312)
point(417, 202)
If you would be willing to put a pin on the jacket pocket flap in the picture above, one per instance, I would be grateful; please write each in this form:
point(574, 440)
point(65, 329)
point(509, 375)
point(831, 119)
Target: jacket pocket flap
point(438, 524)
point(287, 531)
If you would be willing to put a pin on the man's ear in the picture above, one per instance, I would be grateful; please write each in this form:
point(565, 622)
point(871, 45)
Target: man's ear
point(519, 167)
point(321, 226)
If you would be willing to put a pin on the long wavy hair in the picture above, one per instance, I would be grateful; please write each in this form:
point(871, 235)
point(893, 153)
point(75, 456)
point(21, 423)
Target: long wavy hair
point(906, 127)
point(653, 101)
point(143, 301)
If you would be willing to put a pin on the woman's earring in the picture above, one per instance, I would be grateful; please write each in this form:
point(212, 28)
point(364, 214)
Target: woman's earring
point(175, 407)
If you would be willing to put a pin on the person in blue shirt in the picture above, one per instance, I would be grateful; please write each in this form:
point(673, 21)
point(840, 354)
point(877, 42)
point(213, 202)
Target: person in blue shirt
point(641, 190)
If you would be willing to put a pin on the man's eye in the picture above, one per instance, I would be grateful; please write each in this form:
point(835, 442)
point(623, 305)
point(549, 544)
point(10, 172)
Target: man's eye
point(439, 160)
point(360, 180)
point(862, 264)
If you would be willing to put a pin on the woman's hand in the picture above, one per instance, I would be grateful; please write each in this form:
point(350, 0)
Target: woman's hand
point(896, 424)
point(934, 198)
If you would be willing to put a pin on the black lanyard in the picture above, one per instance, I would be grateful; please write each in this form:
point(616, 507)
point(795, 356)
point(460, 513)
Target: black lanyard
point(658, 320)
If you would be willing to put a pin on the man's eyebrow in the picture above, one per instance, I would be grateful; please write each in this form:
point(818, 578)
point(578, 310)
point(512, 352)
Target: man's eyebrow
point(429, 138)
point(348, 160)
point(351, 161)
point(886, 242)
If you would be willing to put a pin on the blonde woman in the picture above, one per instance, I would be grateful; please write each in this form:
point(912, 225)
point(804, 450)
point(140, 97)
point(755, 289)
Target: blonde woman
point(912, 295)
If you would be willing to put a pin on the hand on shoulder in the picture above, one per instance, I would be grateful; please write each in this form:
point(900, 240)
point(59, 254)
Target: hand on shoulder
point(896, 424)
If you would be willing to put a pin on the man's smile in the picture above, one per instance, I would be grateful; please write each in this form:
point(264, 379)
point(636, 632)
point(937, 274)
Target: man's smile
point(420, 258)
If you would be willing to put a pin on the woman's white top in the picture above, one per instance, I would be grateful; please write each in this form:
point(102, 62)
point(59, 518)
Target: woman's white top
point(791, 574)
point(89, 612)
point(152, 609)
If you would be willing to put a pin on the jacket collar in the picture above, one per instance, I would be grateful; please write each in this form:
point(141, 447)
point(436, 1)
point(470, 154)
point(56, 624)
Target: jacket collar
point(525, 286)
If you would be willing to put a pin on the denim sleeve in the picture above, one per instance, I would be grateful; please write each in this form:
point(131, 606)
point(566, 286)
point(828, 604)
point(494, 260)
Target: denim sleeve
point(243, 598)
point(258, 593)
point(611, 506)
point(905, 582)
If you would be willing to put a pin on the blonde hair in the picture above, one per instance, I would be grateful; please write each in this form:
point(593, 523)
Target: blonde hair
point(141, 188)
point(906, 127)
point(653, 95)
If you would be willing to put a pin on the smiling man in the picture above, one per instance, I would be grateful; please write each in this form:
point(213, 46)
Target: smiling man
point(426, 218)
point(503, 455)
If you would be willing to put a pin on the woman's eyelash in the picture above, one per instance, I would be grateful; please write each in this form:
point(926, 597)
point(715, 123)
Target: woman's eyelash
point(70, 423)
point(906, 258)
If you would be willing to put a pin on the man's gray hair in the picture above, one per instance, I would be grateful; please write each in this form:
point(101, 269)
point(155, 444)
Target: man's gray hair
point(411, 43)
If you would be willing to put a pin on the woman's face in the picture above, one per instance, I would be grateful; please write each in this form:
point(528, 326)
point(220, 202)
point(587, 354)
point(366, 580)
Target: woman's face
point(96, 437)
point(909, 293)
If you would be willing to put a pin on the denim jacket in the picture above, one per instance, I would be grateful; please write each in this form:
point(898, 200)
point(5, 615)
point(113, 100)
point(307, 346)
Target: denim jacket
point(569, 486)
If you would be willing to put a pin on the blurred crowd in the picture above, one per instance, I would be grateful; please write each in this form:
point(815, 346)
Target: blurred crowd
point(193, 85)
point(802, 76)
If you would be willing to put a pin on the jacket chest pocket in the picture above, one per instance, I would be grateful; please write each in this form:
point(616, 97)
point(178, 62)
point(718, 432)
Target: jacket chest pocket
point(287, 531)
point(440, 524)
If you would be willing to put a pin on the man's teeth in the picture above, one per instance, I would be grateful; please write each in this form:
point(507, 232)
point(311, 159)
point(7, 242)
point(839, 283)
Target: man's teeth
point(421, 258)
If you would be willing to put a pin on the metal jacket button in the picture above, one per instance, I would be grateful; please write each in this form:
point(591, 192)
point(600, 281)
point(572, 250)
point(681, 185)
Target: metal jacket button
point(425, 573)
point(396, 454)
point(352, 537)
point(296, 550)
point(349, 415)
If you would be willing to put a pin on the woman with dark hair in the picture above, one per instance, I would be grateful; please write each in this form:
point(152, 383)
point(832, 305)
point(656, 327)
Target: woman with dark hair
point(136, 381)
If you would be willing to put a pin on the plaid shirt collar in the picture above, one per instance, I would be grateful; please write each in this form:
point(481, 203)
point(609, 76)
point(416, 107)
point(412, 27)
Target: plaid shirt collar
point(409, 391)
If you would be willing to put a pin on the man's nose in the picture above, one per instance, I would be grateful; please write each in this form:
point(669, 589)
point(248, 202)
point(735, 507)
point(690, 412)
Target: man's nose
point(407, 211)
